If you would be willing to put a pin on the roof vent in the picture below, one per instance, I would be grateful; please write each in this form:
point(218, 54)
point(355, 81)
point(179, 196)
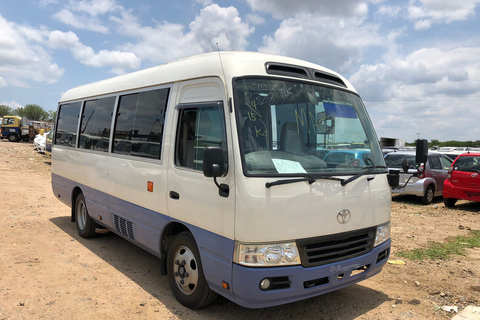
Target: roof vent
point(286, 70)
point(328, 78)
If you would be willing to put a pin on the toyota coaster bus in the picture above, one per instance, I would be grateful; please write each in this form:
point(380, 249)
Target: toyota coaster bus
point(216, 164)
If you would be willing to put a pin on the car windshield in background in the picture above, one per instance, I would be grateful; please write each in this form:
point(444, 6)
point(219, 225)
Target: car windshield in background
point(467, 163)
point(393, 160)
point(290, 128)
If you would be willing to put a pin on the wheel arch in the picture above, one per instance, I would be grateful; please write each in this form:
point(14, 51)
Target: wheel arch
point(75, 192)
point(169, 232)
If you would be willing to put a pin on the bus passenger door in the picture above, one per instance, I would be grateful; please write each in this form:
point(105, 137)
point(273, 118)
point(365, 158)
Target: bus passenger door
point(194, 199)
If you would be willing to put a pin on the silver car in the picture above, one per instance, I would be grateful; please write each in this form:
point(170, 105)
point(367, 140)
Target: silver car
point(428, 184)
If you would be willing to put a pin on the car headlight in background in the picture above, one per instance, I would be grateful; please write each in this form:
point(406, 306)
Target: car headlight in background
point(266, 254)
point(383, 234)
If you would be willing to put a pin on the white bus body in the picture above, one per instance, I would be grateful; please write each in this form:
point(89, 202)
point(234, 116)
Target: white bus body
point(277, 223)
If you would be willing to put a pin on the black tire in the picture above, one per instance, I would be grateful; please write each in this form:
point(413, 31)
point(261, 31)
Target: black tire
point(13, 137)
point(429, 195)
point(85, 224)
point(449, 202)
point(185, 273)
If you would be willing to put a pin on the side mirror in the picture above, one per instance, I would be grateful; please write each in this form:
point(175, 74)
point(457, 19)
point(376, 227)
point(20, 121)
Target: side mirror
point(422, 151)
point(213, 162)
point(214, 166)
point(393, 177)
point(405, 165)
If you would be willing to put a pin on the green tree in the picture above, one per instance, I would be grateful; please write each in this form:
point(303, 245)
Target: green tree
point(5, 111)
point(51, 115)
point(33, 112)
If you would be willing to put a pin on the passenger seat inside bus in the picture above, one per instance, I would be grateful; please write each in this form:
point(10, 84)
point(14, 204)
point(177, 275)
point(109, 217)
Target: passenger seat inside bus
point(291, 138)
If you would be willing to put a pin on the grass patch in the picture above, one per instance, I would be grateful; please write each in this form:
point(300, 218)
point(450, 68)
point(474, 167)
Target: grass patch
point(436, 250)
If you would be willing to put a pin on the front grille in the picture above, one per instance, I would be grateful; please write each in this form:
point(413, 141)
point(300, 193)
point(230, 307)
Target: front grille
point(123, 226)
point(332, 248)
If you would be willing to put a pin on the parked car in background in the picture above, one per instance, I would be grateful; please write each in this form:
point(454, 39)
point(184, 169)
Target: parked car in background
point(348, 157)
point(452, 154)
point(429, 181)
point(48, 144)
point(463, 181)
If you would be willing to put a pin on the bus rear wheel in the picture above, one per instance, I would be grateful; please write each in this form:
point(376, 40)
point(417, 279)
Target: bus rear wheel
point(185, 273)
point(85, 224)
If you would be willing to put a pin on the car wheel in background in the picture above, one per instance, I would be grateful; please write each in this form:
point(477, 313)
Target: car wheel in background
point(429, 195)
point(449, 202)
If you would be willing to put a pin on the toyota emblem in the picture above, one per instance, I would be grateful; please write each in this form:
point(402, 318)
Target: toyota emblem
point(344, 216)
point(474, 175)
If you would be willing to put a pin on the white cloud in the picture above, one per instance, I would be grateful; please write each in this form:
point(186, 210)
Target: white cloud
point(281, 9)
point(430, 91)
point(80, 22)
point(256, 19)
point(204, 2)
point(329, 41)
point(12, 104)
point(117, 60)
point(427, 12)
point(84, 15)
point(22, 58)
point(168, 41)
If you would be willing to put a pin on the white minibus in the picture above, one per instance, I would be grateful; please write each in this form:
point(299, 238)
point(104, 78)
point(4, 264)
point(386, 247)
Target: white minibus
point(216, 164)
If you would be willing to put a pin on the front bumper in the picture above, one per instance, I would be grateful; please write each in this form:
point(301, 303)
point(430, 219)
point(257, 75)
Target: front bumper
point(303, 282)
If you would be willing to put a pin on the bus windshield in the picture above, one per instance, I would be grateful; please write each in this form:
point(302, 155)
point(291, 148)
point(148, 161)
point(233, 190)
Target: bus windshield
point(297, 129)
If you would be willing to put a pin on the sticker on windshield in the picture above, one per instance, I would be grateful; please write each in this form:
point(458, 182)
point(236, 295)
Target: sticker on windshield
point(288, 166)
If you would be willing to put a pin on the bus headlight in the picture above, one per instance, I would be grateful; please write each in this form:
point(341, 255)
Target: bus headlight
point(383, 234)
point(266, 254)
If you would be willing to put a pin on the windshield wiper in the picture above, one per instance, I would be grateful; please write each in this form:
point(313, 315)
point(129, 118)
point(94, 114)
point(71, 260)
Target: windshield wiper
point(310, 179)
point(365, 170)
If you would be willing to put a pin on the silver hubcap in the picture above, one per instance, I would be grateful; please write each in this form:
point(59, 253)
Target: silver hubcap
point(185, 270)
point(430, 195)
point(81, 215)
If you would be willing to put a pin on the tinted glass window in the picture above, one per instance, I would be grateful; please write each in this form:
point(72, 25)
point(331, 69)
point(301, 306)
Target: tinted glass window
point(197, 129)
point(67, 123)
point(139, 124)
point(468, 164)
point(393, 160)
point(435, 163)
point(446, 163)
point(95, 126)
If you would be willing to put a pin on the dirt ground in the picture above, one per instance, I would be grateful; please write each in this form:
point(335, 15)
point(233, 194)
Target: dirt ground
point(48, 272)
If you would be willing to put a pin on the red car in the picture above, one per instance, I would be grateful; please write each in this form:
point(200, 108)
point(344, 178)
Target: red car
point(463, 180)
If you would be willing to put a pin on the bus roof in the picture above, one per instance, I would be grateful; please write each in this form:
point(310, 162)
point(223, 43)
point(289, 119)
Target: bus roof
point(234, 64)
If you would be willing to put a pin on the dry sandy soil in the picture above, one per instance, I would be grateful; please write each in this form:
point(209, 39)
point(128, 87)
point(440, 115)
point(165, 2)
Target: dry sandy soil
point(48, 272)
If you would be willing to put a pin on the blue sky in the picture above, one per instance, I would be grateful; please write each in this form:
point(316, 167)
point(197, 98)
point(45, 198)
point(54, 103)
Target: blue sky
point(415, 63)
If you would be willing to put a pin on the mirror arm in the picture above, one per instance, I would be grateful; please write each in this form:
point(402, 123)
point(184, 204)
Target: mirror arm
point(223, 189)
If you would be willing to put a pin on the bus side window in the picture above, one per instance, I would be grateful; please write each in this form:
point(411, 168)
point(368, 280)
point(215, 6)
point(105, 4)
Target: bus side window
point(67, 122)
point(198, 128)
point(140, 122)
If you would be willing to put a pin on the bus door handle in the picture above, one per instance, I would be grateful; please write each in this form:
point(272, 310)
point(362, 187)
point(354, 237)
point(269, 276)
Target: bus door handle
point(174, 195)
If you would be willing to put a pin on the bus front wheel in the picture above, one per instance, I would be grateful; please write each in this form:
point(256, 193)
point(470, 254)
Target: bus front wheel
point(85, 224)
point(185, 273)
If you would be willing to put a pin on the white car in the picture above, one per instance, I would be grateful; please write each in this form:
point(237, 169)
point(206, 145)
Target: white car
point(39, 142)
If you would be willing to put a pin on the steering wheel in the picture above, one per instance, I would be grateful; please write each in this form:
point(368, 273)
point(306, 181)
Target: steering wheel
point(354, 163)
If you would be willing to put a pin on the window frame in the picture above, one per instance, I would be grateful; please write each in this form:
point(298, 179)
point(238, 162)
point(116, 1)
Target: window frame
point(196, 106)
point(114, 124)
